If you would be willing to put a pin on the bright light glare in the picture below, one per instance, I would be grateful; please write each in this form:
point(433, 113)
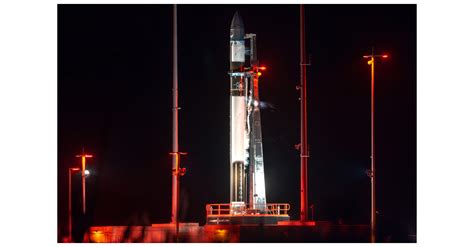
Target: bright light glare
point(385, 56)
point(86, 172)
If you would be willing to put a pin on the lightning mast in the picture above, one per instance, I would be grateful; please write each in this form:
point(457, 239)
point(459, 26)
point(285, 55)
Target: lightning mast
point(303, 134)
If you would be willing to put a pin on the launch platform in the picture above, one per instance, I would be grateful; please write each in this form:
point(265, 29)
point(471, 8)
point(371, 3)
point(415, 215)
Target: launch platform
point(224, 214)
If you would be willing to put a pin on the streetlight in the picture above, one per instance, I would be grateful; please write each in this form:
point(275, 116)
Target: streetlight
point(83, 157)
point(371, 173)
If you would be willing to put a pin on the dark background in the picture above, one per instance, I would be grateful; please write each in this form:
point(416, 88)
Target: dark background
point(114, 99)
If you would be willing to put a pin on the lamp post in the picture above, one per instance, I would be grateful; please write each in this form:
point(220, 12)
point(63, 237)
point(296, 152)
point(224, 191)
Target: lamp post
point(70, 204)
point(371, 173)
point(83, 157)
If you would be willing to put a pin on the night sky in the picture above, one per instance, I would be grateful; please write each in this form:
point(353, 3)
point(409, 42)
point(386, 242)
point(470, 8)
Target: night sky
point(115, 99)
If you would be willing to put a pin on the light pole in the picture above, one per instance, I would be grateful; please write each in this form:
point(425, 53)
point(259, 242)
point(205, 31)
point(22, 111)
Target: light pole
point(83, 157)
point(70, 204)
point(371, 173)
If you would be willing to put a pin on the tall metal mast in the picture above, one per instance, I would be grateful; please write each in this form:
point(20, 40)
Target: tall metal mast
point(373, 210)
point(373, 215)
point(175, 165)
point(303, 135)
point(177, 171)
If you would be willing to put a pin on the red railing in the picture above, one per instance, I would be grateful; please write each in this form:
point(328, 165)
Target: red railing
point(218, 209)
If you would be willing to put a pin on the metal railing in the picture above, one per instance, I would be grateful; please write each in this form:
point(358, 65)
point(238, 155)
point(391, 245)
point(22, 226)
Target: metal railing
point(278, 208)
point(219, 209)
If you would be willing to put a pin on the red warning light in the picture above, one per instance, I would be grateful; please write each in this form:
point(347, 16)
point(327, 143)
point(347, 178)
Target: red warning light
point(384, 56)
point(182, 171)
point(263, 68)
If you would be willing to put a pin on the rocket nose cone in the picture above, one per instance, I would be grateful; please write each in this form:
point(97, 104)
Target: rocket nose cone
point(237, 27)
point(237, 21)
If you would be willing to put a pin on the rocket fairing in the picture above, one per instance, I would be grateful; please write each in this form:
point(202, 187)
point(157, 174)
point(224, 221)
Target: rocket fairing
point(237, 43)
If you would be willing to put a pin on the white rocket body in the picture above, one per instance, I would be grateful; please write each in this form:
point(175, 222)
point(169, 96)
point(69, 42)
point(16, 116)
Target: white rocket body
point(238, 122)
point(247, 181)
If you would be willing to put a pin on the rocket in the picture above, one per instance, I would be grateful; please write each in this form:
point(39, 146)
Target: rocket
point(237, 110)
point(247, 179)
